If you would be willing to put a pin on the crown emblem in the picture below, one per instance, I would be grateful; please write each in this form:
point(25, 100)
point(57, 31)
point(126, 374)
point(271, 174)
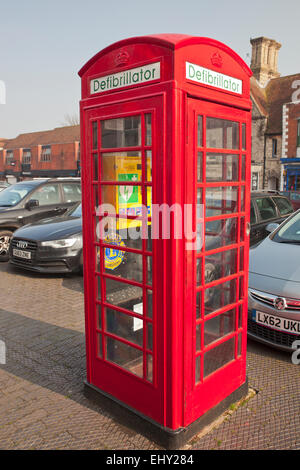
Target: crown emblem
point(216, 59)
point(122, 58)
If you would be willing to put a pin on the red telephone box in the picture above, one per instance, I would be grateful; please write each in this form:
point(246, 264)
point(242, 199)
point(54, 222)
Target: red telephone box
point(165, 136)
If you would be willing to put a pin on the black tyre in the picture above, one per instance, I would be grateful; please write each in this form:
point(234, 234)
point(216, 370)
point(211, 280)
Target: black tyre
point(5, 237)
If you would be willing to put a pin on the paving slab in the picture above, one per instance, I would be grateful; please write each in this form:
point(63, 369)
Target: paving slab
point(42, 405)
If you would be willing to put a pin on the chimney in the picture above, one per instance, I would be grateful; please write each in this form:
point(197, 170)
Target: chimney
point(264, 59)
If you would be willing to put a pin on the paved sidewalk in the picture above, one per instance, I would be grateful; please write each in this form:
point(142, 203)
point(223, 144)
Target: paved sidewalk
point(41, 385)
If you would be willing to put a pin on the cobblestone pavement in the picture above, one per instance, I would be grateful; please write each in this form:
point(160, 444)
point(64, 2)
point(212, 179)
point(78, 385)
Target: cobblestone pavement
point(41, 385)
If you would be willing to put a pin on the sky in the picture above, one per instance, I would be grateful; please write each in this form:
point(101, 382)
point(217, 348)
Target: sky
point(43, 44)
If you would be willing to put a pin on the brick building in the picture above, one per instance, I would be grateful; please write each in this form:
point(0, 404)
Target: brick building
point(50, 153)
point(275, 119)
point(290, 161)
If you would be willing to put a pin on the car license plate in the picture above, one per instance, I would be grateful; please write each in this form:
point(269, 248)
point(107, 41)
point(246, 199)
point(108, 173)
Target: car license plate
point(276, 323)
point(22, 254)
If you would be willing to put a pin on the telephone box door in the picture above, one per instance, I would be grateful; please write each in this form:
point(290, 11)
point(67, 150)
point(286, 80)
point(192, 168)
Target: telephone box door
point(125, 328)
point(217, 182)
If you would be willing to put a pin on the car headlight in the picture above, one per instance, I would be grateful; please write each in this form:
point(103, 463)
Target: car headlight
point(64, 243)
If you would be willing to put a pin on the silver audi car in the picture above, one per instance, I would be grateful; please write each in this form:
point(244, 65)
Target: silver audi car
point(274, 286)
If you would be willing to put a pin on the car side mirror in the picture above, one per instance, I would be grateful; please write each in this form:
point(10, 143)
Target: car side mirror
point(271, 227)
point(31, 204)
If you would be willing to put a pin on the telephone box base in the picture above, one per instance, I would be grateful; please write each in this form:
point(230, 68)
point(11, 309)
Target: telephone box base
point(164, 437)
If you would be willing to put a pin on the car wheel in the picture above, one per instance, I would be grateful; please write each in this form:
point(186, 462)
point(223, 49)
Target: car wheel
point(5, 237)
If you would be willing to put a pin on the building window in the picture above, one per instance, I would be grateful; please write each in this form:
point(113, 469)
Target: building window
point(26, 156)
point(9, 159)
point(298, 133)
point(46, 153)
point(78, 152)
point(254, 181)
point(274, 148)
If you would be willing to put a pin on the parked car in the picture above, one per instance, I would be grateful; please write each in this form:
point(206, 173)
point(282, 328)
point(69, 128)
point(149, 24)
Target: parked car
point(3, 185)
point(274, 286)
point(30, 201)
point(267, 207)
point(294, 198)
point(52, 245)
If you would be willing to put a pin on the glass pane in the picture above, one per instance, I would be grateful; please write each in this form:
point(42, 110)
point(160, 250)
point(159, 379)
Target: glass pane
point(95, 134)
point(199, 272)
point(121, 132)
point(242, 229)
point(284, 206)
point(149, 270)
point(219, 326)
point(239, 349)
point(125, 356)
point(149, 200)
point(242, 198)
point(242, 258)
point(99, 345)
point(149, 165)
point(148, 118)
point(132, 236)
point(198, 304)
point(149, 336)
point(46, 195)
point(221, 200)
point(149, 368)
point(200, 131)
point(96, 196)
point(221, 133)
point(221, 232)
point(218, 356)
point(244, 136)
point(123, 295)
point(98, 287)
point(198, 337)
point(99, 316)
point(198, 369)
point(222, 167)
point(95, 167)
point(220, 265)
point(125, 326)
point(121, 166)
point(123, 264)
point(72, 192)
point(219, 296)
point(266, 208)
point(200, 167)
point(149, 304)
point(243, 170)
point(200, 237)
point(123, 200)
point(200, 209)
point(241, 289)
point(240, 310)
point(97, 259)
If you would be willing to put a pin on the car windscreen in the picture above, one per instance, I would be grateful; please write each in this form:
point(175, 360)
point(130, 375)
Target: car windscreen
point(10, 196)
point(289, 232)
point(76, 211)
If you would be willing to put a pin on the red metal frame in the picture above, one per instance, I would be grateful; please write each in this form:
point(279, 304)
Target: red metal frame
point(210, 390)
point(172, 398)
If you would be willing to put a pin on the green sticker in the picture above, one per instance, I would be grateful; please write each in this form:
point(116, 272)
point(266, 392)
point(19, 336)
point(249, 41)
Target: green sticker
point(128, 194)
